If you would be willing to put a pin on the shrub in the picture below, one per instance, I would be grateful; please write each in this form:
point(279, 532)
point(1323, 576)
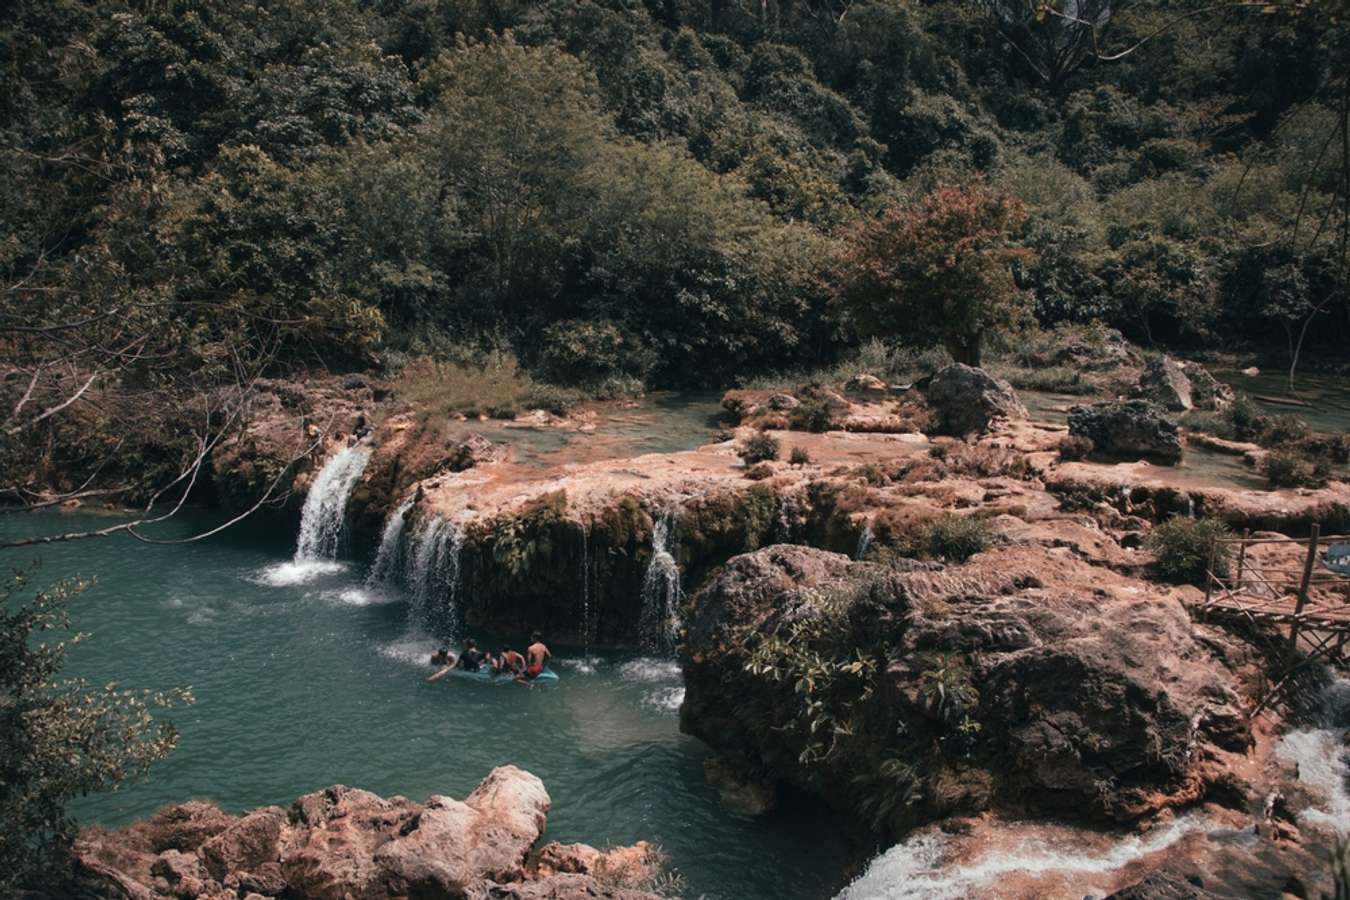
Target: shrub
point(955, 538)
point(1288, 468)
point(1074, 446)
point(759, 447)
point(799, 456)
point(812, 414)
point(503, 411)
point(1181, 547)
point(1246, 417)
point(947, 536)
point(559, 401)
point(759, 471)
point(939, 452)
point(1284, 429)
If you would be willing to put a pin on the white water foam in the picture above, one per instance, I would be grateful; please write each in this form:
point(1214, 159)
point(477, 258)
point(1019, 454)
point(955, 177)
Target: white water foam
point(917, 869)
point(412, 650)
point(299, 571)
point(1323, 758)
point(355, 595)
point(325, 509)
point(649, 669)
point(585, 665)
point(667, 699)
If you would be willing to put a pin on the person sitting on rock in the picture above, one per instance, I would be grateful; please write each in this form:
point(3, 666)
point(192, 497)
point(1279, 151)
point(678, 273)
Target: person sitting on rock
point(509, 662)
point(538, 656)
point(472, 659)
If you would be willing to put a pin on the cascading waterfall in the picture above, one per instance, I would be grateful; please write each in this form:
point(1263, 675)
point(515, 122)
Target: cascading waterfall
point(391, 551)
point(917, 868)
point(1323, 757)
point(433, 576)
point(661, 594)
point(864, 542)
point(325, 509)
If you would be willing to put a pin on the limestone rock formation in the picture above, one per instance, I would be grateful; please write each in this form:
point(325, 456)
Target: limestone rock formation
point(865, 383)
point(1127, 429)
point(475, 450)
point(1182, 386)
point(967, 400)
point(1164, 382)
point(342, 843)
point(1026, 679)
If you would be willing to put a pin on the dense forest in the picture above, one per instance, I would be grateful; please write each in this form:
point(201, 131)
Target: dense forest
point(657, 192)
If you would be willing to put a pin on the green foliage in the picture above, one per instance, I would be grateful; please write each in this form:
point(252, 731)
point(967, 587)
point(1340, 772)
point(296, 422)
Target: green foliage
point(1182, 546)
point(436, 391)
point(60, 738)
point(759, 447)
point(1287, 467)
point(830, 680)
point(955, 538)
point(799, 456)
point(947, 536)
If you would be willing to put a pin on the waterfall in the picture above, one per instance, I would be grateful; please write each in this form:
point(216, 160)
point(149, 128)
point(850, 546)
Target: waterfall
point(919, 867)
point(585, 593)
point(1190, 507)
point(389, 555)
point(660, 620)
point(325, 508)
point(1323, 757)
point(433, 576)
point(864, 542)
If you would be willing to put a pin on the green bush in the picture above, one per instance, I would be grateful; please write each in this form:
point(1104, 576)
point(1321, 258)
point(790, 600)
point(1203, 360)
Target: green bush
point(955, 538)
point(576, 351)
point(812, 414)
point(1181, 547)
point(759, 447)
point(1287, 467)
point(799, 456)
point(1283, 429)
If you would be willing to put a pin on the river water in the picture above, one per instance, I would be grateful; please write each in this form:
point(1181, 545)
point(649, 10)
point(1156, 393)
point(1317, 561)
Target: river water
point(307, 678)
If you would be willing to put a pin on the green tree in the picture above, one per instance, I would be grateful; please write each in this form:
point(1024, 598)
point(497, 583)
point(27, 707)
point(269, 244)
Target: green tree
point(936, 267)
point(60, 738)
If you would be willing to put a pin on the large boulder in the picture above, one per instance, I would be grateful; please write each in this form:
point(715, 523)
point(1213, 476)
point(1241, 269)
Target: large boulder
point(1128, 429)
point(1182, 386)
point(1165, 383)
point(1024, 681)
point(967, 400)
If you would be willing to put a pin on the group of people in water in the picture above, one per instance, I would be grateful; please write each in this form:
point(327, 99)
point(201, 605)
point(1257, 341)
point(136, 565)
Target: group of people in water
point(523, 668)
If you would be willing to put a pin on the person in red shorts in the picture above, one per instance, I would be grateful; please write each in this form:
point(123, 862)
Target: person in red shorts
point(537, 656)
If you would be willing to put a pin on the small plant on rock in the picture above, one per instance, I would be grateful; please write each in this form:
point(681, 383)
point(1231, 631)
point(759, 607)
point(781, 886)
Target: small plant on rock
point(1181, 547)
point(759, 447)
point(799, 456)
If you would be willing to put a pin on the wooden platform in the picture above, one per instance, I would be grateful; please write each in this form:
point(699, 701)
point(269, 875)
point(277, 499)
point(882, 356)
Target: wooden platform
point(1284, 585)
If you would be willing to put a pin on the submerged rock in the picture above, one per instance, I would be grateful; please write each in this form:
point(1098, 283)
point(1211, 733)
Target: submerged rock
point(1127, 429)
point(343, 842)
point(967, 400)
